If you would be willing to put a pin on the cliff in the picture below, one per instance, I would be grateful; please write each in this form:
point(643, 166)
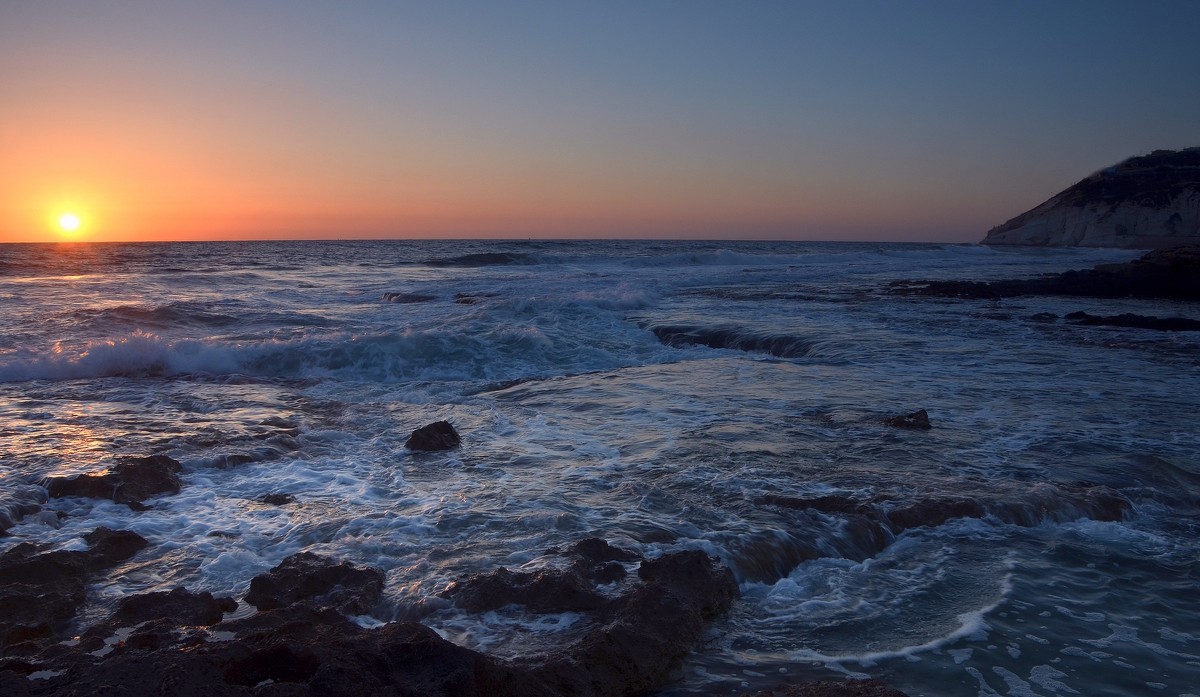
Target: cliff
point(1144, 202)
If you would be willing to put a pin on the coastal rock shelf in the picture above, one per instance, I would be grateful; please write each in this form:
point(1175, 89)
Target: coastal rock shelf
point(1142, 202)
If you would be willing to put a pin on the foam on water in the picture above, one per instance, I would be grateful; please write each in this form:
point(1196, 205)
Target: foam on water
point(282, 369)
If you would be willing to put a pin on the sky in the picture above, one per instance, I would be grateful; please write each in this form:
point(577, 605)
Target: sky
point(884, 121)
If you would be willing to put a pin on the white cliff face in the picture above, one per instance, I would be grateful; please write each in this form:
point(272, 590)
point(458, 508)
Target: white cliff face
point(1145, 202)
point(1102, 225)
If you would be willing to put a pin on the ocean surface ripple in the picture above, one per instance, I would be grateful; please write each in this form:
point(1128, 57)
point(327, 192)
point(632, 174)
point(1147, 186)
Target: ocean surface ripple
point(1043, 538)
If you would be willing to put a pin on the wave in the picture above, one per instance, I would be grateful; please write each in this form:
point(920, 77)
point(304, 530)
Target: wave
point(730, 337)
point(485, 259)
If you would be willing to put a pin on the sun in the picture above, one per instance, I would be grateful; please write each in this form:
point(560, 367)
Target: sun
point(69, 224)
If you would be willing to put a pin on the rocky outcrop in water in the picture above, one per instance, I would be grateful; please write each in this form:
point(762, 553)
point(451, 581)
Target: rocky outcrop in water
point(39, 590)
point(1172, 274)
point(131, 481)
point(439, 435)
point(318, 581)
point(636, 635)
point(1164, 324)
point(916, 421)
point(1143, 202)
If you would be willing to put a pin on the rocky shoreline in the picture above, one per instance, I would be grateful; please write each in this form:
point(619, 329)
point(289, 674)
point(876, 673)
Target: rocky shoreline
point(1168, 274)
point(640, 616)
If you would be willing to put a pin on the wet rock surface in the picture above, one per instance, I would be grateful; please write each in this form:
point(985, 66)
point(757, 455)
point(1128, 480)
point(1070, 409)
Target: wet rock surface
point(131, 481)
point(1172, 274)
point(178, 605)
point(318, 581)
point(39, 590)
point(1165, 324)
point(637, 636)
point(407, 298)
point(433, 437)
point(916, 421)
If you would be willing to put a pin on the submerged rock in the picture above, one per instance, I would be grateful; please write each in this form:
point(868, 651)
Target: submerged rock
point(130, 482)
point(277, 499)
point(407, 298)
point(918, 420)
point(318, 581)
point(1167, 324)
point(1172, 274)
point(439, 435)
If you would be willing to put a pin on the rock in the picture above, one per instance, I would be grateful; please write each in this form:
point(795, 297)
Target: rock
point(439, 435)
point(645, 633)
point(130, 482)
point(918, 420)
point(277, 499)
point(111, 547)
point(472, 298)
point(39, 590)
point(180, 606)
point(1168, 324)
point(829, 688)
point(550, 590)
point(407, 298)
point(1143, 202)
point(1172, 274)
point(319, 581)
point(934, 512)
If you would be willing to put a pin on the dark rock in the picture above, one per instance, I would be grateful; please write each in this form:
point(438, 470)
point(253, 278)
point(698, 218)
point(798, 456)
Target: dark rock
point(918, 420)
point(646, 633)
point(1168, 324)
point(40, 590)
point(406, 298)
point(739, 338)
point(179, 605)
point(439, 435)
point(829, 688)
point(318, 580)
point(934, 512)
point(130, 482)
point(277, 499)
point(111, 547)
point(548, 590)
point(596, 550)
point(832, 503)
point(472, 298)
point(1172, 274)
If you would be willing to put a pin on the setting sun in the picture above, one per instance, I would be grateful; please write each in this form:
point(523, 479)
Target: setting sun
point(68, 222)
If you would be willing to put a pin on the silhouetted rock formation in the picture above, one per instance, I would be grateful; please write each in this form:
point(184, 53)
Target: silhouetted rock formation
point(1165, 324)
point(1172, 274)
point(1143, 202)
point(319, 581)
point(916, 421)
point(130, 482)
point(39, 590)
point(439, 435)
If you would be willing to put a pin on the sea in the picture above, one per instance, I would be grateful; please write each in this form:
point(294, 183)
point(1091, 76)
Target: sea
point(663, 395)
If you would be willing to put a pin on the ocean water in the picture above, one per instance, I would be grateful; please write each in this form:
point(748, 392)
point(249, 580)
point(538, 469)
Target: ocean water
point(662, 395)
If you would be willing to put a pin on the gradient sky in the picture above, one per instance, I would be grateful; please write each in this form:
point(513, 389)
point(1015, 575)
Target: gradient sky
point(921, 121)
